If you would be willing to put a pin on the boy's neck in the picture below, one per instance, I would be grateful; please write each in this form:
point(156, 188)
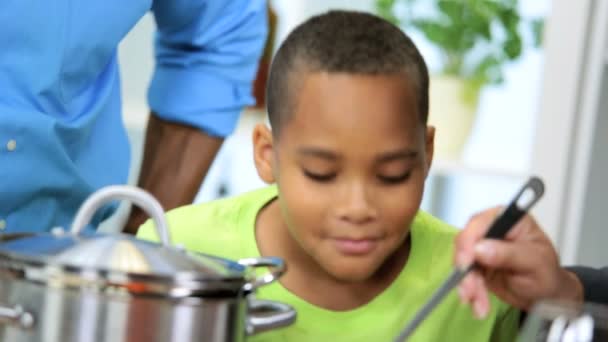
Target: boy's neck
point(310, 282)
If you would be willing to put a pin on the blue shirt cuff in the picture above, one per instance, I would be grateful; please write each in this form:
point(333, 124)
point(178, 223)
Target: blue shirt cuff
point(199, 99)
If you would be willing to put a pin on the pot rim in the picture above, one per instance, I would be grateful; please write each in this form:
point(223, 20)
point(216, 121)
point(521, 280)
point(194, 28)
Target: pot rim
point(182, 284)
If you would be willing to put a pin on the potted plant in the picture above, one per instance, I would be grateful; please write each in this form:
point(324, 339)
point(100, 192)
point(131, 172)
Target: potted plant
point(476, 39)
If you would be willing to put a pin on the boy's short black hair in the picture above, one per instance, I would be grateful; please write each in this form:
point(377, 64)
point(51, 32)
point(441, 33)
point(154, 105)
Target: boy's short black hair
point(346, 42)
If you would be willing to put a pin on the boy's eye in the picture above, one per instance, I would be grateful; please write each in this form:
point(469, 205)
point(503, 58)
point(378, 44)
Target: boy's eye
point(319, 177)
point(394, 179)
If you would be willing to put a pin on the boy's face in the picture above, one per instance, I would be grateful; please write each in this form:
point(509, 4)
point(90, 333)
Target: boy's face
point(350, 166)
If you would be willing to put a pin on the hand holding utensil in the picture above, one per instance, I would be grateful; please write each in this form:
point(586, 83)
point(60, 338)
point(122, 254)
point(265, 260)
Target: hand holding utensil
point(529, 194)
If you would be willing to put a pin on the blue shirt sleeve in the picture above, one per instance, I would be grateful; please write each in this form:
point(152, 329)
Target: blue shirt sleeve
point(207, 54)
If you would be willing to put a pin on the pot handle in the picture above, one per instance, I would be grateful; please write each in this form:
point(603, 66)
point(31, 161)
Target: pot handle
point(270, 315)
point(277, 266)
point(123, 192)
point(16, 316)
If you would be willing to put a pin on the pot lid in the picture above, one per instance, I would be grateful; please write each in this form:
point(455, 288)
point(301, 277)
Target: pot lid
point(122, 261)
point(117, 253)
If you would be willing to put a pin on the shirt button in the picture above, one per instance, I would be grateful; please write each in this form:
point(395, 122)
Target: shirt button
point(2, 224)
point(11, 145)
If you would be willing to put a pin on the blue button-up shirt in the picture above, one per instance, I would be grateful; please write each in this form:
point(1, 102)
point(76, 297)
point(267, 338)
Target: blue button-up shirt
point(61, 131)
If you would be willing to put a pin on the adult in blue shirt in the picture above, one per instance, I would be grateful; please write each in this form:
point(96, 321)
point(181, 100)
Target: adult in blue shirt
point(61, 130)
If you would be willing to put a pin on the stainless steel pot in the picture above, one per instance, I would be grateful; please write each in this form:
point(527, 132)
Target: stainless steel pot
point(78, 286)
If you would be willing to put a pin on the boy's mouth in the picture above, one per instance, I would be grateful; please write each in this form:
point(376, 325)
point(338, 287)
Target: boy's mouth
point(349, 246)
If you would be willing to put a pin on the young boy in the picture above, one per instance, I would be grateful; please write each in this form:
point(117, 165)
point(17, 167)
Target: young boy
point(349, 152)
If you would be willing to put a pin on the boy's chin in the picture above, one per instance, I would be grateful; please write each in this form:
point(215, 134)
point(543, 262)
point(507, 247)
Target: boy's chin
point(351, 274)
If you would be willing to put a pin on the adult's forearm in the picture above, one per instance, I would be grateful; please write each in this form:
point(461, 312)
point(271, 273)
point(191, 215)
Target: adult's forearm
point(175, 161)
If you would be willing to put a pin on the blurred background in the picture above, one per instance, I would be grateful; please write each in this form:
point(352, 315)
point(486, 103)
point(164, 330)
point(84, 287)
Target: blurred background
point(517, 88)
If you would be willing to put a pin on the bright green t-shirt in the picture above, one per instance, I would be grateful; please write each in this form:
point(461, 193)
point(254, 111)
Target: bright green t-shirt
point(226, 228)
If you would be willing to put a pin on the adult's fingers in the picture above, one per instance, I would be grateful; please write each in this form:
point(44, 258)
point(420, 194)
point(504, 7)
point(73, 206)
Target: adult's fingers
point(474, 231)
point(467, 288)
point(481, 301)
point(473, 291)
point(526, 229)
point(504, 255)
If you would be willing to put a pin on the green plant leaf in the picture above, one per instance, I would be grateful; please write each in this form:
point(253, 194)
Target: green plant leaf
point(484, 68)
point(538, 28)
point(462, 26)
point(512, 47)
point(509, 18)
point(385, 9)
point(454, 10)
point(436, 33)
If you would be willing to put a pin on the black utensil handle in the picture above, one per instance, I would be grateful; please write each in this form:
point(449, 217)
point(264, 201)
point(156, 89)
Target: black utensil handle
point(529, 194)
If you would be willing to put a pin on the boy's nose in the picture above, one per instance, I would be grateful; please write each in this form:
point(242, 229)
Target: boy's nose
point(355, 205)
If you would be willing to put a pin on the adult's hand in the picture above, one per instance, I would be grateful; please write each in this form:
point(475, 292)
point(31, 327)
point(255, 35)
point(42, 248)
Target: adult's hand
point(521, 269)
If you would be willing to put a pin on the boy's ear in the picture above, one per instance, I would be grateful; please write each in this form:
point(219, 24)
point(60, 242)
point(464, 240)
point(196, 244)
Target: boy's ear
point(263, 154)
point(429, 146)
